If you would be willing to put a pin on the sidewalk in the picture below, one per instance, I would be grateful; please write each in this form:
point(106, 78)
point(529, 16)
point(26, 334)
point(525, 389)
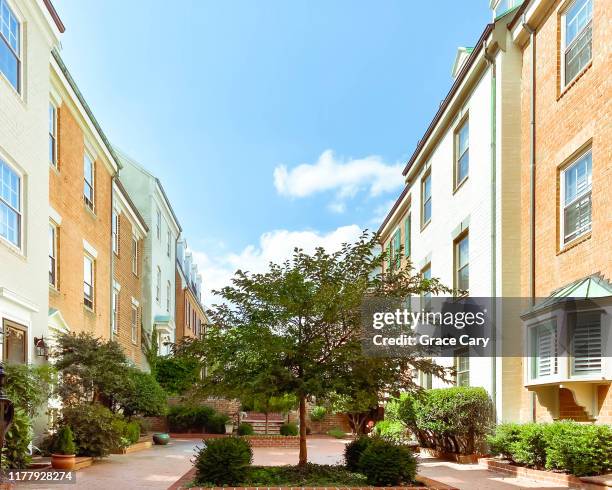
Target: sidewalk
point(475, 477)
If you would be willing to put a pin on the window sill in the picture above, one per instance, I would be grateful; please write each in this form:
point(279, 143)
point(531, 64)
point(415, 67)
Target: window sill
point(574, 243)
point(18, 252)
point(90, 211)
point(460, 185)
point(425, 225)
point(53, 290)
point(54, 168)
point(566, 88)
point(88, 310)
point(16, 92)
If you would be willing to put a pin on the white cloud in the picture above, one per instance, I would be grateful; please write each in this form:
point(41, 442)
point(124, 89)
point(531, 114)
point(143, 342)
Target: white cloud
point(274, 246)
point(337, 207)
point(346, 177)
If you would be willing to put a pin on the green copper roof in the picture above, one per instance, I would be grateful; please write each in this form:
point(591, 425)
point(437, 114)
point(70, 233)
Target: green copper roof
point(162, 319)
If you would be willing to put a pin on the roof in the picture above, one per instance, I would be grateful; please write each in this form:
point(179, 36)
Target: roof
point(83, 102)
point(160, 319)
point(590, 287)
point(454, 88)
point(55, 16)
point(131, 203)
point(396, 204)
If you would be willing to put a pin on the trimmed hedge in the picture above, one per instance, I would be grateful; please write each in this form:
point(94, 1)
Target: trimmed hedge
point(454, 420)
point(196, 418)
point(386, 463)
point(289, 429)
point(579, 449)
point(390, 429)
point(245, 429)
point(353, 451)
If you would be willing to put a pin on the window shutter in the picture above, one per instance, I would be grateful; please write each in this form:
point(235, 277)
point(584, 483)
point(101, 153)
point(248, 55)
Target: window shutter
point(586, 344)
point(546, 350)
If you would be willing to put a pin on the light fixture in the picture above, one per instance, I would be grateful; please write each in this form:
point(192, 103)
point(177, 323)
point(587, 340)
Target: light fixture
point(41, 347)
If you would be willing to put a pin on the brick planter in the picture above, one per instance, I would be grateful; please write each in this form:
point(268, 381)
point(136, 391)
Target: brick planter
point(587, 483)
point(188, 477)
point(143, 443)
point(457, 458)
point(256, 440)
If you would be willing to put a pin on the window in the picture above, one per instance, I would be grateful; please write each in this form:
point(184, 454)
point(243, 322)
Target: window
point(407, 230)
point(426, 297)
point(462, 152)
point(462, 263)
point(115, 311)
point(426, 199)
point(15, 336)
point(576, 183)
point(9, 45)
point(158, 225)
point(462, 367)
point(168, 296)
point(544, 349)
point(169, 247)
point(88, 185)
point(586, 342)
point(158, 286)
point(10, 204)
point(425, 380)
point(115, 232)
point(396, 243)
point(53, 255)
point(134, 323)
point(52, 135)
point(135, 255)
point(88, 281)
point(577, 33)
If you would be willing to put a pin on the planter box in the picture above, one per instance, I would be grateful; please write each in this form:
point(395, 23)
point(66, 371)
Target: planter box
point(187, 478)
point(457, 458)
point(83, 462)
point(588, 483)
point(143, 443)
point(256, 440)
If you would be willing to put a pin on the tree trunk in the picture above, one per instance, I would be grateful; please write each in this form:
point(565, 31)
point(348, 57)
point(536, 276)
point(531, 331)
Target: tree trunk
point(303, 459)
point(266, 426)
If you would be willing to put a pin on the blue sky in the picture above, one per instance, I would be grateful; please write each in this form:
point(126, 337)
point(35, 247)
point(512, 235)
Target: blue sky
point(270, 123)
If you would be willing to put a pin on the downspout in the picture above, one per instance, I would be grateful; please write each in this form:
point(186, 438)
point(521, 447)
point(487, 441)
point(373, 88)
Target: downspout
point(112, 279)
point(532, 173)
point(493, 225)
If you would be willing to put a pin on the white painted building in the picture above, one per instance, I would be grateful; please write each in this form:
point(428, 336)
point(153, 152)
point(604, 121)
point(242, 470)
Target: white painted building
point(29, 30)
point(459, 215)
point(159, 257)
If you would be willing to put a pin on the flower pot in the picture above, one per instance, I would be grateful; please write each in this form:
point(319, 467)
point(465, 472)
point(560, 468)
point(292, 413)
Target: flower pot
point(229, 428)
point(63, 461)
point(161, 439)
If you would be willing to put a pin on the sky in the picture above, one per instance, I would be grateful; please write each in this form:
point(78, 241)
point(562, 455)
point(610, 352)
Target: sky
point(271, 124)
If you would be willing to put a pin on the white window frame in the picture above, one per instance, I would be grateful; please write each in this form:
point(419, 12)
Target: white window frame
point(169, 248)
point(158, 224)
point(563, 206)
point(426, 297)
point(457, 257)
point(115, 311)
point(458, 156)
point(19, 43)
point(89, 258)
point(53, 134)
point(564, 46)
point(576, 371)
point(168, 296)
point(20, 224)
point(115, 231)
point(158, 286)
point(53, 269)
point(134, 323)
point(426, 176)
point(90, 203)
point(534, 353)
point(135, 255)
point(462, 372)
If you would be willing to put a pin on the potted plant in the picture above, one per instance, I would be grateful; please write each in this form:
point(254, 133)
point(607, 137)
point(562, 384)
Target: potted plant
point(63, 456)
point(161, 438)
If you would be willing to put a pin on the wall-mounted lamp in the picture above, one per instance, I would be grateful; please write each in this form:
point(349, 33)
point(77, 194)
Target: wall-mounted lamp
point(41, 348)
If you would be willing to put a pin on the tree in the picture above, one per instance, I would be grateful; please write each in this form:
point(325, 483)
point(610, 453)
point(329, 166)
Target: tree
point(267, 404)
point(300, 324)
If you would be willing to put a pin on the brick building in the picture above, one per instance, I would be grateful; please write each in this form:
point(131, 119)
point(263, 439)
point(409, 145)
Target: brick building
point(80, 202)
point(190, 315)
point(566, 215)
point(128, 232)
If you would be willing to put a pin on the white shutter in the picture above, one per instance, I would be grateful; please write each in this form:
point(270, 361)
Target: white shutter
point(586, 344)
point(546, 350)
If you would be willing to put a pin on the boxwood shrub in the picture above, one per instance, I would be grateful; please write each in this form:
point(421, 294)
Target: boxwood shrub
point(353, 451)
point(224, 461)
point(289, 429)
point(245, 429)
point(579, 449)
point(387, 463)
point(196, 418)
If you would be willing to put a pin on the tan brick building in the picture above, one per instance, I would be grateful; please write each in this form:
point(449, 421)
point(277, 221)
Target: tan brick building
point(128, 231)
point(190, 316)
point(80, 200)
point(566, 219)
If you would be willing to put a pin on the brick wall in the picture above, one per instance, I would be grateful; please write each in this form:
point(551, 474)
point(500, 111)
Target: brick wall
point(330, 421)
point(131, 287)
point(188, 310)
point(604, 396)
point(569, 409)
point(78, 224)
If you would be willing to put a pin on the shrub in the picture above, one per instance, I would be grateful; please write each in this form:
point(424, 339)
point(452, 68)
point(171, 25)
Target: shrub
point(65, 441)
point(289, 429)
point(245, 429)
point(97, 431)
point(580, 449)
point(336, 432)
point(318, 413)
point(132, 432)
point(141, 395)
point(196, 418)
point(176, 375)
point(353, 451)
point(386, 463)
point(503, 438)
point(530, 447)
point(223, 461)
point(16, 451)
point(29, 386)
point(390, 429)
point(401, 410)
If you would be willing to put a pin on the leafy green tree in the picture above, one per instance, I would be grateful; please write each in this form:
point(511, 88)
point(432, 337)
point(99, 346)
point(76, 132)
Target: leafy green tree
point(177, 374)
point(141, 394)
point(300, 324)
point(266, 404)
